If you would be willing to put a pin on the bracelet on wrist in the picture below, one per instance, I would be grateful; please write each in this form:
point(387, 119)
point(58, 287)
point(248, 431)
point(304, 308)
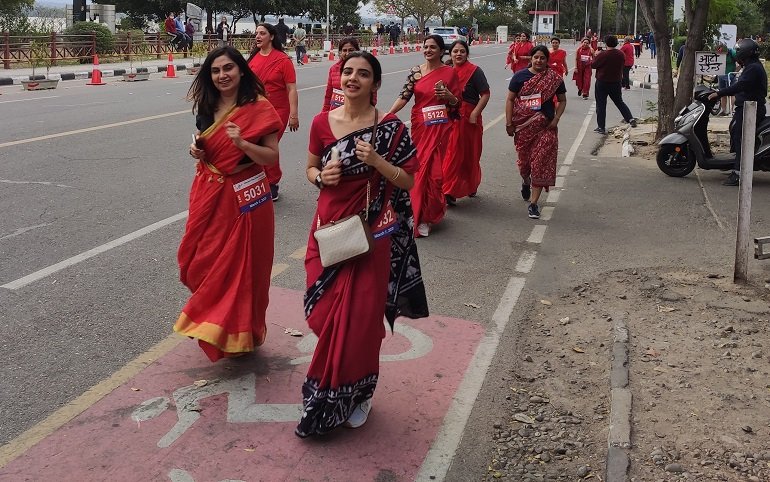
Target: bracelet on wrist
point(398, 173)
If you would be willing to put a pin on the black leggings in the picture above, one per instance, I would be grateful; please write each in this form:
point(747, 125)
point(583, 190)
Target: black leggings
point(613, 91)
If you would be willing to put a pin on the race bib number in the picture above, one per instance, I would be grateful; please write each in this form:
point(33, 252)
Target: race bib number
point(338, 98)
point(435, 114)
point(386, 224)
point(584, 58)
point(251, 192)
point(532, 102)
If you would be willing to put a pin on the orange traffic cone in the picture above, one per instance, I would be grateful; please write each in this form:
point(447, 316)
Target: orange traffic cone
point(96, 74)
point(374, 51)
point(417, 47)
point(392, 49)
point(488, 42)
point(305, 58)
point(170, 69)
point(331, 54)
point(405, 48)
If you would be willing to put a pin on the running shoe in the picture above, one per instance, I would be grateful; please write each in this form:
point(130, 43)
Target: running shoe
point(533, 211)
point(525, 191)
point(359, 415)
point(450, 200)
point(423, 230)
point(600, 130)
point(732, 180)
point(274, 192)
point(632, 122)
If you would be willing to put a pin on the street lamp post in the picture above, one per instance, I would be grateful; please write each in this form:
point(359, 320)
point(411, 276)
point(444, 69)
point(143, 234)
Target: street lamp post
point(636, 9)
point(328, 24)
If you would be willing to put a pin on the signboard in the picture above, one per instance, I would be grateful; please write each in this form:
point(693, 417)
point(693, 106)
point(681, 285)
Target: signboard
point(502, 34)
point(391, 9)
point(710, 63)
point(728, 35)
point(544, 24)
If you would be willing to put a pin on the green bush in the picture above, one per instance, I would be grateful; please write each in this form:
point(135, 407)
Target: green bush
point(764, 50)
point(105, 41)
point(678, 41)
point(137, 37)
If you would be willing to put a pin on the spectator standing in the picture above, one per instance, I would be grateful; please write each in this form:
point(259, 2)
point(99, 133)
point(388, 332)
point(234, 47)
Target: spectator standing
point(532, 119)
point(189, 30)
point(582, 75)
point(628, 53)
point(395, 33)
point(462, 166)
point(436, 92)
point(283, 31)
point(724, 81)
point(223, 31)
point(274, 68)
point(345, 305)
point(651, 45)
point(299, 43)
point(225, 235)
point(180, 28)
point(609, 75)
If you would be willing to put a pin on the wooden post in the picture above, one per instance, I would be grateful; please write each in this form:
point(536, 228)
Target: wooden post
point(743, 239)
point(93, 45)
point(6, 50)
point(53, 48)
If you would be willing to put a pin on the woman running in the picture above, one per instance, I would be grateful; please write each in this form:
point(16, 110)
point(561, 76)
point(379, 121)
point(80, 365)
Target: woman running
point(226, 254)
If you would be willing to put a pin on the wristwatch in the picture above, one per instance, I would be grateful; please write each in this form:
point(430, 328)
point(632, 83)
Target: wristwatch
point(318, 182)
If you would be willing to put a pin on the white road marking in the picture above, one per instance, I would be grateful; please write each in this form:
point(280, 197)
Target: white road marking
point(560, 181)
point(536, 236)
point(40, 274)
point(553, 196)
point(563, 170)
point(441, 453)
point(546, 213)
point(579, 139)
point(42, 183)
point(28, 100)
point(526, 261)
point(21, 231)
point(494, 121)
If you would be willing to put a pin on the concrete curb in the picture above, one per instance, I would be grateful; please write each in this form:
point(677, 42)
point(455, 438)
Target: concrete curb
point(619, 437)
point(15, 80)
point(644, 85)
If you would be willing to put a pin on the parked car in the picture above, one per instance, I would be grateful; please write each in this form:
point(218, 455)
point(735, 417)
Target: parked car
point(449, 34)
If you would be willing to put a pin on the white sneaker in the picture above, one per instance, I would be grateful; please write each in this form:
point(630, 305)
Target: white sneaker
point(423, 230)
point(359, 415)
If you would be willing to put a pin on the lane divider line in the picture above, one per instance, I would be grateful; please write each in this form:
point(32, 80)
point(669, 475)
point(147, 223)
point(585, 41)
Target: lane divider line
point(536, 236)
point(546, 213)
point(553, 196)
point(563, 170)
point(299, 253)
point(581, 133)
point(40, 274)
point(526, 261)
point(560, 181)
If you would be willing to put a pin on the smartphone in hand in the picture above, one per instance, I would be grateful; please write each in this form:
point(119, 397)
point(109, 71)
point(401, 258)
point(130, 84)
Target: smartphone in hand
point(196, 141)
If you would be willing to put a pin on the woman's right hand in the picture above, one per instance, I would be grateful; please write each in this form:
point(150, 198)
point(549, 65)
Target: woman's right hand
point(196, 153)
point(331, 173)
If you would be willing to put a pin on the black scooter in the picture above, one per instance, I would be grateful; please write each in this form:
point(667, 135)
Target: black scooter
point(680, 151)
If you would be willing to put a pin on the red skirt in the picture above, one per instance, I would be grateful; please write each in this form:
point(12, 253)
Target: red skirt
point(462, 167)
point(225, 259)
point(273, 172)
point(427, 194)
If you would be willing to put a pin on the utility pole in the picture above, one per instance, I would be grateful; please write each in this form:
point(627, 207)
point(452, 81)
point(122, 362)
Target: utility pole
point(636, 10)
point(599, 20)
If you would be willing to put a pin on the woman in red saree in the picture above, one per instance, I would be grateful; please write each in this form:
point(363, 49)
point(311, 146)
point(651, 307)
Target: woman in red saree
point(520, 55)
point(557, 58)
point(461, 167)
point(346, 304)
point(436, 101)
point(530, 115)
point(276, 71)
point(334, 96)
point(583, 59)
point(226, 254)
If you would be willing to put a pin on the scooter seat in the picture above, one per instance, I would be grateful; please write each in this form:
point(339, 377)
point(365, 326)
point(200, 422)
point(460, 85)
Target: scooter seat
point(764, 124)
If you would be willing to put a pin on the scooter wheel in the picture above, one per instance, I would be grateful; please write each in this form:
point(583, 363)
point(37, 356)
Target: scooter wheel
point(675, 160)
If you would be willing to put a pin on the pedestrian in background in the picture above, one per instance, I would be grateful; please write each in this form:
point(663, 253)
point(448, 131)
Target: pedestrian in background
point(520, 57)
point(274, 68)
point(189, 30)
point(628, 52)
point(557, 57)
point(223, 32)
point(532, 119)
point(651, 46)
point(609, 75)
point(462, 166)
point(226, 253)
point(725, 80)
point(582, 75)
point(283, 31)
point(345, 304)
point(334, 96)
point(299, 43)
point(436, 92)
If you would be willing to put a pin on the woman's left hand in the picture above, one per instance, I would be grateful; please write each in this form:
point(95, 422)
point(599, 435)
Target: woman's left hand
point(366, 153)
point(554, 123)
point(293, 123)
point(234, 133)
point(473, 117)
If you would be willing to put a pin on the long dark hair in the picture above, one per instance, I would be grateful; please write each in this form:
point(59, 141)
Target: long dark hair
point(348, 40)
point(205, 95)
point(464, 44)
point(373, 62)
point(277, 45)
point(439, 41)
point(540, 48)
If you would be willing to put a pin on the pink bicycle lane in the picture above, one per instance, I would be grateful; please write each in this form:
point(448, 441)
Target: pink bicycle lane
point(184, 419)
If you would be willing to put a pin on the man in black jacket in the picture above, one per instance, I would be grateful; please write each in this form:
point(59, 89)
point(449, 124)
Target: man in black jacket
point(609, 73)
point(751, 85)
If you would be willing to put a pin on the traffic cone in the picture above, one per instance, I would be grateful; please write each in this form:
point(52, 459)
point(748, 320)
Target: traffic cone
point(392, 49)
point(170, 70)
point(488, 41)
point(331, 54)
point(405, 48)
point(96, 74)
point(305, 58)
point(417, 47)
point(374, 51)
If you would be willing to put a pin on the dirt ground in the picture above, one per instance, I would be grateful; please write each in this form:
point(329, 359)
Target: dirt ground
point(698, 351)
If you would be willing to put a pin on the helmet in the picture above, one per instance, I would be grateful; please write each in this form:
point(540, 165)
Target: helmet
point(746, 49)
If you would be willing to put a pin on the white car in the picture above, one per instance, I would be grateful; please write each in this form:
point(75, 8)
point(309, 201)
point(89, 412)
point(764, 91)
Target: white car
point(449, 34)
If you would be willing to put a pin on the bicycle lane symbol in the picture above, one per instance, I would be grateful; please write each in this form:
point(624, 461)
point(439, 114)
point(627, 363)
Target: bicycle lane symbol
point(242, 393)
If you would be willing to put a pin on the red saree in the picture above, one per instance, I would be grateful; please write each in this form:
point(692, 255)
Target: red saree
point(556, 61)
point(275, 71)
point(431, 128)
point(346, 305)
point(582, 75)
point(226, 254)
point(461, 167)
point(521, 49)
point(536, 144)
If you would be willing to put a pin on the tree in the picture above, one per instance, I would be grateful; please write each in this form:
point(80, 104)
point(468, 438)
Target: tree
point(13, 15)
point(656, 13)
